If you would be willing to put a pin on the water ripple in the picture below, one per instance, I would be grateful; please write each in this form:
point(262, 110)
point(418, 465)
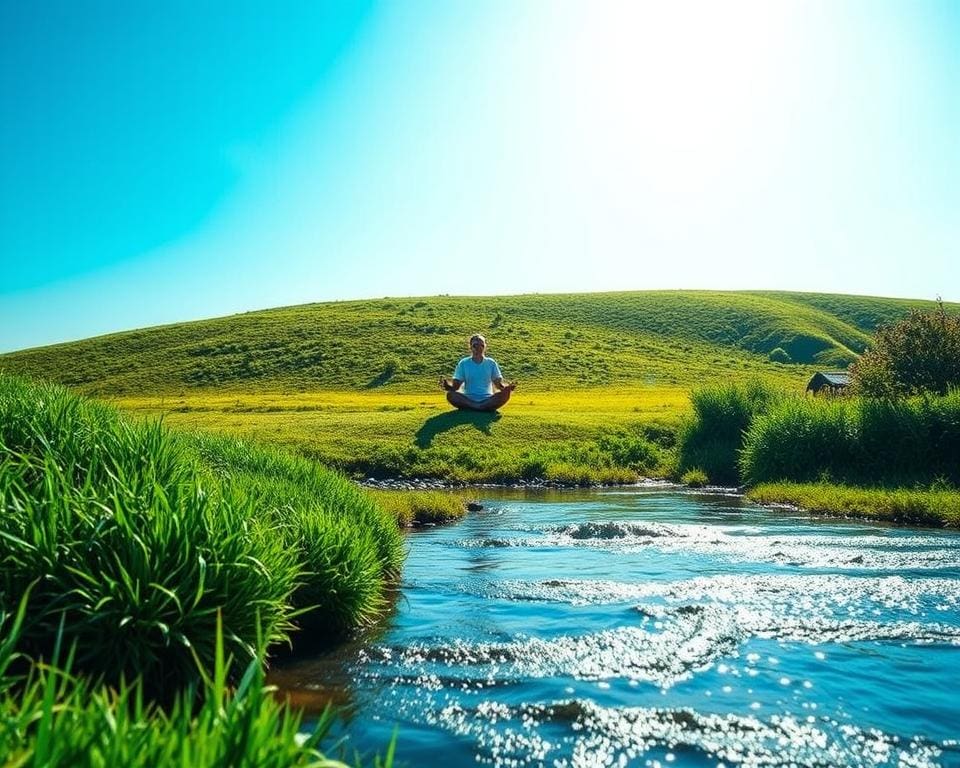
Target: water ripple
point(660, 656)
point(863, 552)
point(597, 735)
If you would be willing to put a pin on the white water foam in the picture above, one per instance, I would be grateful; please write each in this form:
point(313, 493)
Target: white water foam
point(807, 608)
point(663, 656)
point(597, 735)
point(859, 552)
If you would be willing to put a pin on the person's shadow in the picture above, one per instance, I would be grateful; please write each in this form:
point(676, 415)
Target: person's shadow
point(443, 422)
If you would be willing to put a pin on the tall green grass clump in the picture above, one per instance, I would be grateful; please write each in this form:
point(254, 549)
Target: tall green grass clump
point(710, 440)
point(135, 538)
point(856, 440)
point(124, 546)
point(421, 506)
point(350, 548)
point(49, 717)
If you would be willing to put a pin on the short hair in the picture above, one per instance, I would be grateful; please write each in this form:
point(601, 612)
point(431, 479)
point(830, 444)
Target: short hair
point(478, 337)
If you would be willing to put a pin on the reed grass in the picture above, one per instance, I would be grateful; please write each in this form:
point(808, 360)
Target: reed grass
point(863, 441)
point(711, 439)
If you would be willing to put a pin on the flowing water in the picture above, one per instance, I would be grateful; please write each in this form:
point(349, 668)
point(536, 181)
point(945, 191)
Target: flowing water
point(657, 627)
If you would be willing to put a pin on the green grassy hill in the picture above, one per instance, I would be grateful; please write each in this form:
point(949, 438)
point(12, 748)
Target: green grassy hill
point(659, 338)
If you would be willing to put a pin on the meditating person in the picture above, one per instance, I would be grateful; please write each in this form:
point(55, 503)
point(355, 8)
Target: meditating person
point(480, 377)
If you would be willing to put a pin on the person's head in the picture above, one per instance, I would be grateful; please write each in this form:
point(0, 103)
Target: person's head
point(477, 344)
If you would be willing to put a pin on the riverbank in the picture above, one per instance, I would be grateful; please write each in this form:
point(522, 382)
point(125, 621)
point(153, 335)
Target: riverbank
point(937, 507)
point(905, 506)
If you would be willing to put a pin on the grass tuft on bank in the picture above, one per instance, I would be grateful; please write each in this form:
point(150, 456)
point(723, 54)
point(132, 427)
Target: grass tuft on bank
point(50, 717)
point(936, 506)
point(421, 507)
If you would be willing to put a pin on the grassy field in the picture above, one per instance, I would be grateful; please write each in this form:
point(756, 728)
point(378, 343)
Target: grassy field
point(603, 378)
point(548, 342)
point(402, 434)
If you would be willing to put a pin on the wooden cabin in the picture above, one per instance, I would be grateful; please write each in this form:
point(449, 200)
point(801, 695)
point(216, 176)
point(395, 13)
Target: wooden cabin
point(829, 382)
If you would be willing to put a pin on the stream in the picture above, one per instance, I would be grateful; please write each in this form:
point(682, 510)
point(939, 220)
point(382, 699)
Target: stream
point(651, 626)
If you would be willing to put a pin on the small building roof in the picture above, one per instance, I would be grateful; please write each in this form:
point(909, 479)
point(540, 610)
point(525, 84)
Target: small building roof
point(831, 379)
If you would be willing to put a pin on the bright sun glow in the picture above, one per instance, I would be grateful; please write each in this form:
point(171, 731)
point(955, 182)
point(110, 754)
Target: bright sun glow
point(490, 148)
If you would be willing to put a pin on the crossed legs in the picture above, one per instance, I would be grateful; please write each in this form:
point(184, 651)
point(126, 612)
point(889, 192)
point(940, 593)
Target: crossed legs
point(492, 403)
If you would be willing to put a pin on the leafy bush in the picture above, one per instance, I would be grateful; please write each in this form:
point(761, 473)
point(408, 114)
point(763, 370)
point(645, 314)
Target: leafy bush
point(712, 438)
point(779, 355)
point(918, 354)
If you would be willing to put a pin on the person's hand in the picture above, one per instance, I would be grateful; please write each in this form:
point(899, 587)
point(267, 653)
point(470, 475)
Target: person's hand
point(511, 386)
point(444, 384)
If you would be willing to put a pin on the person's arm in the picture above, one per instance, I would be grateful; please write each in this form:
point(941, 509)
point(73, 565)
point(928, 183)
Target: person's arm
point(496, 379)
point(450, 385)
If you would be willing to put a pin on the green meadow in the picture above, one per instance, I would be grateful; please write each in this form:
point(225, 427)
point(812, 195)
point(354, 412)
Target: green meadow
point(603, 378)
point(547, 342)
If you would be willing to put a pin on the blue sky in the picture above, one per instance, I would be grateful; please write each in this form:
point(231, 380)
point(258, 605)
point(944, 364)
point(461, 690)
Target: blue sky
point(171, 161)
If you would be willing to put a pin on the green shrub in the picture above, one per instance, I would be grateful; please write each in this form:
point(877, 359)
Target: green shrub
point(779, 355)
point(711, 439)
point(916, 355)
point(855, 440)
point(695, 478)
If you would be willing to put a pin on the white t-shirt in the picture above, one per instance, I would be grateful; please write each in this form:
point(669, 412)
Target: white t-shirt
point(477, 378)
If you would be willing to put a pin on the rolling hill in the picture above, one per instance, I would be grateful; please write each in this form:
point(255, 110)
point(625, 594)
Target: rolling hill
point(661, 338)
